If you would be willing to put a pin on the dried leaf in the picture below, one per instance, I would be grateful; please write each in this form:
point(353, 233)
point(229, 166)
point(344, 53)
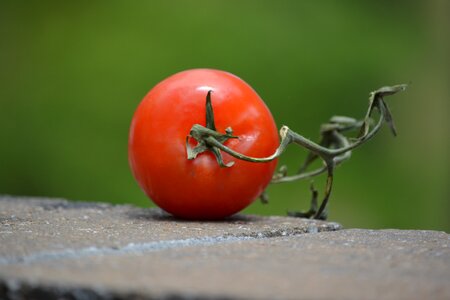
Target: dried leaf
point(209, 113)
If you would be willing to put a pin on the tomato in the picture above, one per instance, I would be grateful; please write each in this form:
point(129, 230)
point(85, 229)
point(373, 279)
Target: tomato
point(200, 188)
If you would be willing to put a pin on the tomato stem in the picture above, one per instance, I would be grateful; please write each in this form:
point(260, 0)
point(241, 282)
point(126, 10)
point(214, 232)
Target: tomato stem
point(334, 147)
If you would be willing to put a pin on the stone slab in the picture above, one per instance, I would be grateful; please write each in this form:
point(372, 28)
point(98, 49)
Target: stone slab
point(34, 228)
point(245, 257)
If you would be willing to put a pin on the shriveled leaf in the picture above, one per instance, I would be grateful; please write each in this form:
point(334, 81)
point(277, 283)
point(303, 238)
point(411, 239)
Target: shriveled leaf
point(209, 113)
point(193, 152)
point(391, 90)
point(343, 120)
point(375, 100)
point(389, 119)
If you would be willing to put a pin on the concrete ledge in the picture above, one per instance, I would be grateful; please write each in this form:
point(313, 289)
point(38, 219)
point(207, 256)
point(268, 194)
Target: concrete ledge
point(42, 229)
point(53, 249)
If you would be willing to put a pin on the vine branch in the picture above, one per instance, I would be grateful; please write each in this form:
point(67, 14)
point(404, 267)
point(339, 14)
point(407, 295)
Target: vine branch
point(334, 147)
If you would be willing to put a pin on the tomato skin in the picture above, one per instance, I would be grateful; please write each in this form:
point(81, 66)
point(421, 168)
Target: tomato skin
point(200, 188)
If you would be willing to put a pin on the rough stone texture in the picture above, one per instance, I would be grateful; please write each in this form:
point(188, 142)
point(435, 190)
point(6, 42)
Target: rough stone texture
point(52, 249)
point(38, 228)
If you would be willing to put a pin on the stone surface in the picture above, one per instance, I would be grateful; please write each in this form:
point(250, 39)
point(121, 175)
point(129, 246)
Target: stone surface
point(52, 249)
point(33, 229)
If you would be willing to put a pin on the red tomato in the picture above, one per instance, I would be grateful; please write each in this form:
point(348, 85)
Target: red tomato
point(200, 188)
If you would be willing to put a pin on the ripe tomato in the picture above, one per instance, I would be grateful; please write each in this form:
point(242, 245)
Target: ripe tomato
point(200, 188)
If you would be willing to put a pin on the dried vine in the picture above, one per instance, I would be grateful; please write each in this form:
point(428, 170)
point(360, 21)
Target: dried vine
point(334, 147)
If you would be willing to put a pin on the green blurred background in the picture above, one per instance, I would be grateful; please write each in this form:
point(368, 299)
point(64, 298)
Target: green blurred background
point(73, 72)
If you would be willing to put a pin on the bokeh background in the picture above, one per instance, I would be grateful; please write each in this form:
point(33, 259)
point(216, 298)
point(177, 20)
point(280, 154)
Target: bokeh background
point(73, 72)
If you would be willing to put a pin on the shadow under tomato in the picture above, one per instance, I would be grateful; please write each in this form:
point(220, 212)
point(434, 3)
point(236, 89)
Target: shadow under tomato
point(157, 214)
